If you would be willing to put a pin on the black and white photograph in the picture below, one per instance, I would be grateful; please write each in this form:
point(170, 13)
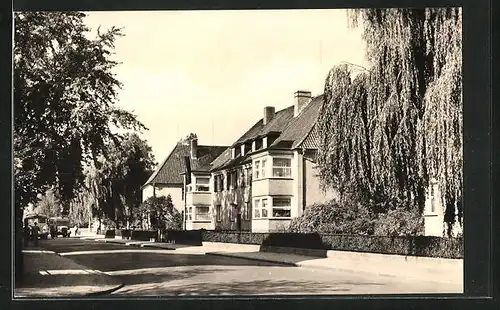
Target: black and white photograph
point(226, 153)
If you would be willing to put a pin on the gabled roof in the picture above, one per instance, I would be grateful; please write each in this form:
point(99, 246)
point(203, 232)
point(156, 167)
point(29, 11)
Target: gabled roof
point(170, 170)
point(293, 132)
point(277, 124)
point(222, 159)
point(206, 155)
point(299, 128)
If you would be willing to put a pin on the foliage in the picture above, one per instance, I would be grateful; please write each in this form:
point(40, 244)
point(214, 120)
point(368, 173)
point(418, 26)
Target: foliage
point(399, 222)
point(162, 213)
point(388, 131)
point(64, 95)
point(114, 182)
point(80, 209)
point(49, 205)
point(335, 218)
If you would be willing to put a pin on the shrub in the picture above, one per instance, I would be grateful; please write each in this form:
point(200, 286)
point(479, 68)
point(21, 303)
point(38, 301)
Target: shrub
point(294, 240)
point(123, 232)
point(143, 235)
point(109, 234)
point(191, 237)
point(397, 245)
point(333, 217)
point(399, 222)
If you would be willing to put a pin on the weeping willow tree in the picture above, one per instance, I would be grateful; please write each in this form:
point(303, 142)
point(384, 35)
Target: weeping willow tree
point(390, 130)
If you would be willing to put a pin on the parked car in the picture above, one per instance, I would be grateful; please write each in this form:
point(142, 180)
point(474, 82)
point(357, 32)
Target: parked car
point(59, 227)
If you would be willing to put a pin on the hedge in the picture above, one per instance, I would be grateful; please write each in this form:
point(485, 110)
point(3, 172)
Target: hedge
point(143, 235)
point(426, 246)
point(109, 234)
point(189, 237)
point(123, 233)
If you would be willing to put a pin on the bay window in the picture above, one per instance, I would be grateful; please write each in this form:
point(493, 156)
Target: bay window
point(264, 208)
point(281, 207)
point(282, 167)
point(202, 184)
point(202, 213)
point(256, 209)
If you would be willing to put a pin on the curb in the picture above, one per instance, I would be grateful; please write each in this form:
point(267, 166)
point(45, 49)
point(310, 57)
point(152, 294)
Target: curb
point(102, 273)
point(106, 292)
point(254, 259)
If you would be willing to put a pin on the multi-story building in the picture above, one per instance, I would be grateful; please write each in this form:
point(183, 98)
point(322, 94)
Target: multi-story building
point(268, 175)
point(168, 178)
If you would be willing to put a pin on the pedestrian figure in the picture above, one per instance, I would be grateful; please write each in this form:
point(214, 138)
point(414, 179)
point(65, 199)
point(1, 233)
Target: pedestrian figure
point(26, 234)
point(35, 231)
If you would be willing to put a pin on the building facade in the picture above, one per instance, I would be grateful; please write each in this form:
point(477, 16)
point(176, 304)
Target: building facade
point(268, 176)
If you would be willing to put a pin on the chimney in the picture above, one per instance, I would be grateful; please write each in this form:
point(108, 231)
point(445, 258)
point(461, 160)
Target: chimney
point(268, 114)
point(301, 100)
point(194, 148)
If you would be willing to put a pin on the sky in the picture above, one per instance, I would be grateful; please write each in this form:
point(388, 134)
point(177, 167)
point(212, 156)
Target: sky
point(213, 72)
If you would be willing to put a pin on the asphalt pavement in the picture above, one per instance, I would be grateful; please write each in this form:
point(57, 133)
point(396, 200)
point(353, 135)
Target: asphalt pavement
point(147, 271)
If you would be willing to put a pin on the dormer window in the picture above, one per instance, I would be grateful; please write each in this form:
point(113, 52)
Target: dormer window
point(258, 144)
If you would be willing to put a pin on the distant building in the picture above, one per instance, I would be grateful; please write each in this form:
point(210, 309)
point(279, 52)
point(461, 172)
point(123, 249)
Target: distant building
point(168, 178)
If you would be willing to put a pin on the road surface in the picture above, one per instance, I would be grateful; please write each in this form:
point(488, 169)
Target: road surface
point(155, 272)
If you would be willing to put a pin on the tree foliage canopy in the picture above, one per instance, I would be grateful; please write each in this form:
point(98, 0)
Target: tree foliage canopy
point(64, 101)
point(162, 213)
point(113, 183)
point(391, 129)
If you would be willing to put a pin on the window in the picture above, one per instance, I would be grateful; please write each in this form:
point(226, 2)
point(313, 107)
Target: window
point(202, 184)
point(202, 213)
point(190, 214)
point(256, 170)
point(264, 208)
point(248, 211)
point(282, 167)
point(263, 168)
point(281, 207)
point(256, 209)
point(221, 180)
point(228, 183)
point(234, 178)
point(218, 210)
point(249, 176)
point(242, 177)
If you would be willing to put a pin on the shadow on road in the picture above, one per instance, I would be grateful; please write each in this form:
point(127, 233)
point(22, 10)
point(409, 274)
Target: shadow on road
point(260, 287)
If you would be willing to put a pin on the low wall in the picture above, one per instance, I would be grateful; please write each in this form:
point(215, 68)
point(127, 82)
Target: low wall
point(230, 247)
point(422, 268)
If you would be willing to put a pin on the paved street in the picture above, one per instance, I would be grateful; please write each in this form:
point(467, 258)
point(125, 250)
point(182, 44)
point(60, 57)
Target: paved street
point(157, 272)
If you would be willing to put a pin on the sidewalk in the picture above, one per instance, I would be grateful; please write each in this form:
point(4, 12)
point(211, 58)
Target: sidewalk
point(46, 274)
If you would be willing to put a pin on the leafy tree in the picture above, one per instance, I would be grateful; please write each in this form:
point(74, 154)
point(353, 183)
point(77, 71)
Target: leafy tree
point(115, 181)
point(64, 95)
point(162, 213)
point(49, 205)
point(390, 130)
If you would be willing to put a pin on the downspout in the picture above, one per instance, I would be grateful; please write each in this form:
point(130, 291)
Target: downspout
point(185, 204)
